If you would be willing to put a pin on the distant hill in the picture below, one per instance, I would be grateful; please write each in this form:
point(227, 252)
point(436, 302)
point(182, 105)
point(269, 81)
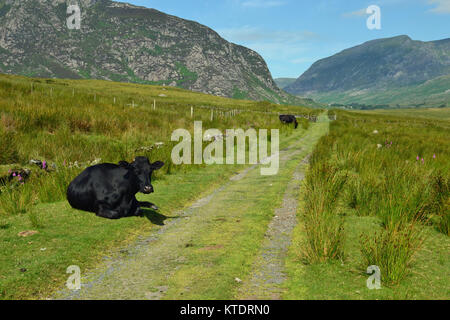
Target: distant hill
point(284, 82)
point(395, 71)
point(127, 43)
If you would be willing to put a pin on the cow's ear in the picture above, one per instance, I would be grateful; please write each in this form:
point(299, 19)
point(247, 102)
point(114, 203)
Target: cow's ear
point(157, 165)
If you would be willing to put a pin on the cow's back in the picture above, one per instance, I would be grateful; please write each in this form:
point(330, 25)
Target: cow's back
point(83, 191)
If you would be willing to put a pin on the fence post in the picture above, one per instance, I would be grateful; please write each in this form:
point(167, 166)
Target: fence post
point(114, 100)
point(154, 104)
point(192, 112)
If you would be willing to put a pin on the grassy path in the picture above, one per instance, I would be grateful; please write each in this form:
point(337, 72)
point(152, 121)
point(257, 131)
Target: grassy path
point(209, 250)
point(268, 273)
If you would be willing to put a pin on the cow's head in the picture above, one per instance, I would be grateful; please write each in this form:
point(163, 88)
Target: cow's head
point(143, 170)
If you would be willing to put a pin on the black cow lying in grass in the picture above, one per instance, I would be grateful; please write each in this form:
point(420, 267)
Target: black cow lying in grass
point(109, 190)
point(287, 119)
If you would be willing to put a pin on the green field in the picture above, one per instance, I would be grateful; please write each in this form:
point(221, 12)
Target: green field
point(375, 191)
point(65, 122)
point(433, 93)
point(429, 113)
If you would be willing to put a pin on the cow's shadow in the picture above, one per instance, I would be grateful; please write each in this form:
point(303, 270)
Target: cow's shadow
point(156, 217)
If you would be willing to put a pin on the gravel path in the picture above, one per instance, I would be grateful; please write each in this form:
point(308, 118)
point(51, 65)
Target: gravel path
point(268, 269)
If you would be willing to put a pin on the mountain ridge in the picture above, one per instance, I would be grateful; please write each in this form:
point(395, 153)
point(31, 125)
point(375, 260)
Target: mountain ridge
point(127, 43)
point(382, 65)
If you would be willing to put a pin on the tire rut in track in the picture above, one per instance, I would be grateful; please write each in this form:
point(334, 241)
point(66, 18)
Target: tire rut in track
point(267, 274)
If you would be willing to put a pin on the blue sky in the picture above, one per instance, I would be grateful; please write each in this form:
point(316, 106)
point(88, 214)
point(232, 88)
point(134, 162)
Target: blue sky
point(292, 34)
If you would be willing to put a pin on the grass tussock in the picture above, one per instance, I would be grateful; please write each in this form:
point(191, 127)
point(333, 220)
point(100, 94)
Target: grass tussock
point(8, 147)
point(390, 167)
point(16, 200)
point(392, 250)
point(324, 228)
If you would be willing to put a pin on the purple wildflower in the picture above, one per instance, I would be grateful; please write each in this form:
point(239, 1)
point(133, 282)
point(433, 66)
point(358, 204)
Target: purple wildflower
point(434, 156)
point(44, 164)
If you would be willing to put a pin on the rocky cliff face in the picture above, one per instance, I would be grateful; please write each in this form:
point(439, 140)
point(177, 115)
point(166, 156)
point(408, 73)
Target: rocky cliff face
point(122, 42)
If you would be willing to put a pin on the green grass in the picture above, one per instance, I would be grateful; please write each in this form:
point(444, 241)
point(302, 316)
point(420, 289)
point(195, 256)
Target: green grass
point(324, 228)
point(64, 121)
point(366, 198)
point(73, 237)
point(428, 113)
point(432, 93)
point(68, 121)
point(346, 280)
point(393, 209)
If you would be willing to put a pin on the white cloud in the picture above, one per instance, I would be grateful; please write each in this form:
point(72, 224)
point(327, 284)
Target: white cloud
point(441, 6)
point(358, 13)
point(262, 3)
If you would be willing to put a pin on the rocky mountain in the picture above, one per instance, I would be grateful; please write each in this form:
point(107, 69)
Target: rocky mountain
point(376, 71)
point(123, 42)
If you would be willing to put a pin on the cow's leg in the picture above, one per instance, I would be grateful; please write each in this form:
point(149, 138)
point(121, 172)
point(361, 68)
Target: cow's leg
point(136, 209)
point(131, 207)
point(148, 205)
point(105, 212)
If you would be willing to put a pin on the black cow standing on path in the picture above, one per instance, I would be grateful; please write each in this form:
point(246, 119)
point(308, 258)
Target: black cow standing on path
point(287, 119)
point(109, 190)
